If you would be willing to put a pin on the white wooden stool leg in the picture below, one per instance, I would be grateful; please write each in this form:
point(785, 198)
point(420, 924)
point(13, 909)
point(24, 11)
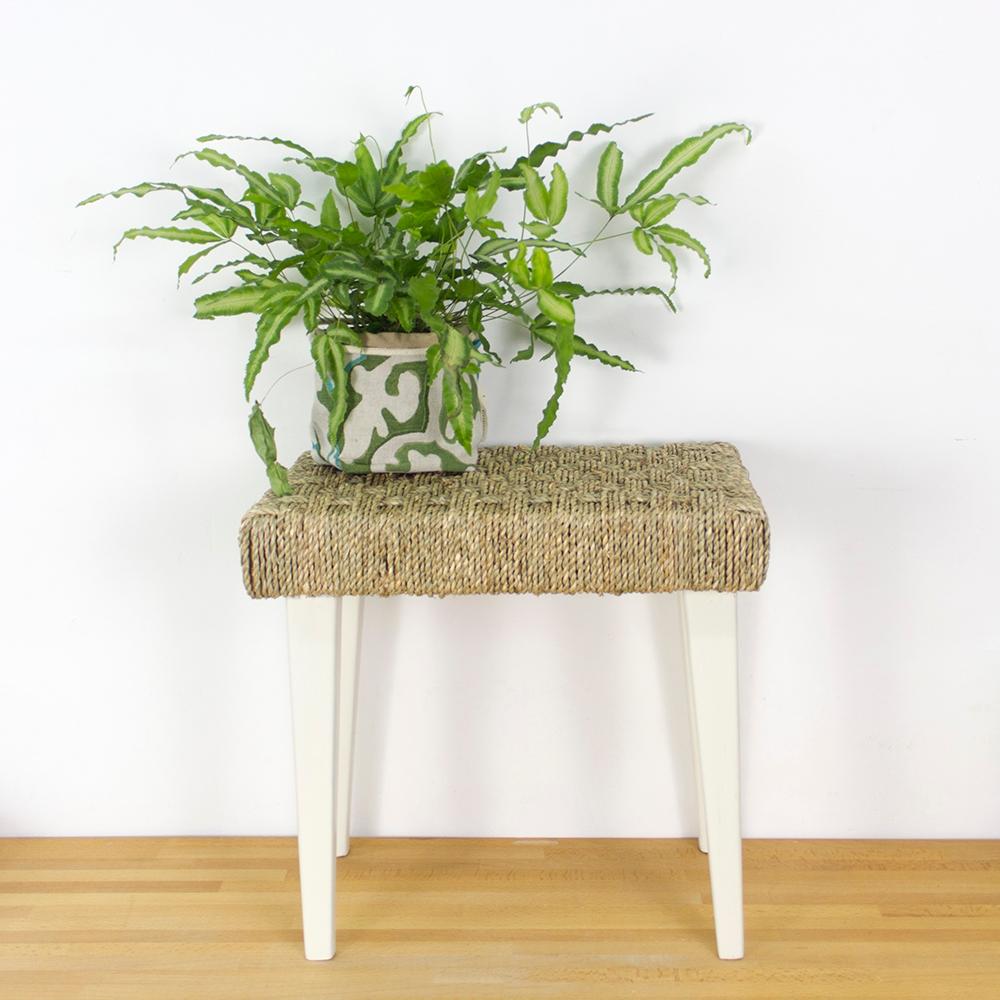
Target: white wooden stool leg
point(313, 624)
point(711, 639)
point(695, 751)
point(347, 707)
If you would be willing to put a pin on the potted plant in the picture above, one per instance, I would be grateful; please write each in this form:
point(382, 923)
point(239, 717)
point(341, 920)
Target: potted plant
point(398, 271)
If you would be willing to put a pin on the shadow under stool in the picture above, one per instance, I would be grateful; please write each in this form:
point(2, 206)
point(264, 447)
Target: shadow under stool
point(603, 519)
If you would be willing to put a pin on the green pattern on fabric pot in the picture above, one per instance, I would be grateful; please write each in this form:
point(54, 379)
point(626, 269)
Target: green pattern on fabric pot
point(395, 420)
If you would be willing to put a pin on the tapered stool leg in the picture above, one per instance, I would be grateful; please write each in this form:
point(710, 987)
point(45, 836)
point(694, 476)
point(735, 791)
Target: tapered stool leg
point(313, 625)
point(695, 750)
point(351, 609)
point(710, 624)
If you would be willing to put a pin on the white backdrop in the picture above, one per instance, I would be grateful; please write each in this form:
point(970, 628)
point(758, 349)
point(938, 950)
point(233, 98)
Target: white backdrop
point(846, 343)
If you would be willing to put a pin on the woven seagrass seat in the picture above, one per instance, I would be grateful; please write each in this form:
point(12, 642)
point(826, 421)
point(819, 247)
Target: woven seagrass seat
point(606, 519)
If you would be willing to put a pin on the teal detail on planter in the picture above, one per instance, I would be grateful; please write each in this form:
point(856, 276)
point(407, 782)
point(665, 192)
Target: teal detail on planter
point(395, 418)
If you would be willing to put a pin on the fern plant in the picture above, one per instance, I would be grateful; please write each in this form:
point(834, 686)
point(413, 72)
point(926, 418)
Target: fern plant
point(392, 247)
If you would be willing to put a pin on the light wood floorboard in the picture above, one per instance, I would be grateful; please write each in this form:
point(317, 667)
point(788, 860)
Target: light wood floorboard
point(217, 918)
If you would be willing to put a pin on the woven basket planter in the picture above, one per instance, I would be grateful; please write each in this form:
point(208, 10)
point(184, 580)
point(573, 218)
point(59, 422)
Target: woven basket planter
point(395, 418)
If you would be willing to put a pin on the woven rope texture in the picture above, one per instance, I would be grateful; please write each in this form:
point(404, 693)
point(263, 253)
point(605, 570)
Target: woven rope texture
point(613, 519)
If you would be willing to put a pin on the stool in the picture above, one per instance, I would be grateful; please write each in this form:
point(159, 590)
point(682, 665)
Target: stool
point(606, 520)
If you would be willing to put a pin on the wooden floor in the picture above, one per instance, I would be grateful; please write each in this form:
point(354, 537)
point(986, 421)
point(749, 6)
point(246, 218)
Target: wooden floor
point(208, 918)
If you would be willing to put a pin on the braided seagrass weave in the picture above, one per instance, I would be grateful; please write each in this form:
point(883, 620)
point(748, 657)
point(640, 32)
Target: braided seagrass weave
point(607, 519)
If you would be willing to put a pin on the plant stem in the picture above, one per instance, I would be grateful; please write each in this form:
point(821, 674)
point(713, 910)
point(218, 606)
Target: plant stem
point(524, 209)
point(586, 247)
point(430, 130)
point(290, 371)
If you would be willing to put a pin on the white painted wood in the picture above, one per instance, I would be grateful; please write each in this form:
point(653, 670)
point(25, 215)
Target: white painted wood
point(313, 625)
point(710, 624)
point(351, 610)
point(695, 751)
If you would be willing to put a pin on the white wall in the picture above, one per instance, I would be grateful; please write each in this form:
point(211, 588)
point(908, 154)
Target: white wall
point(847, 343)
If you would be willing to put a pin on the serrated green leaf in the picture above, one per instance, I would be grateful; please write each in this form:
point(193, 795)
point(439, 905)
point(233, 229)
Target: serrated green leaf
point(670, 234)
point(231, 209)
point(310, 312)
point(296, 227)
point(668, 257)
point(478, 205)
point(465, 288)
point(511, 176)
point(319, 164)
point(473, 170)
point(682, 155)
point(462, 422)
point(219, 224)
point(433, 362)
point(368, 179)
point(241, 299)
point(329, 214)
point(642, 241)
point(249, 259)
point(527, 113)
point(583, 349)
point(209, 217)
point(138, 190)
point(572, 290)
point(252, 277)
point(265, 212)
point(494, 246)
point(517, 267)
point(563, 345)
point(654, 290)
point(609, 172)
point(189, 262)
point(556, 308)
point(435, 181)
point(526, 353)
point(345, 270)
point(288, 187)
point(404, 311)
point(424, 291)
point(269, 327)
point(558, 195)
point(474, 317)
point(255, 138)
point(501, 244)
point(535, 195)
point(656, 209)
point(540, 229)
point(455, 348)
point(230, 302)
point(451, 395)
point(328, 354)
point(314, 288)
point(277, 476)
point(168, 233)
point(262, 435)
point(260, 187)
point(541, 268)
point(343, 335)
point(379, 296)
point(410, 129)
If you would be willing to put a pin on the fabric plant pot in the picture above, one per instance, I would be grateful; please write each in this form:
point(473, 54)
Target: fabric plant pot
point(395, 420)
